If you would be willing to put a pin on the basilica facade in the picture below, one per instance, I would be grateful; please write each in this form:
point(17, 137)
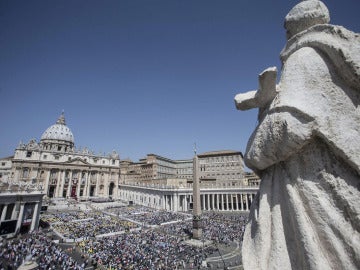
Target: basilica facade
point(56, 167)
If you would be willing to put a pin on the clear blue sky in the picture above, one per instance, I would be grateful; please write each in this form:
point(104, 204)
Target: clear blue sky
point(140, 76)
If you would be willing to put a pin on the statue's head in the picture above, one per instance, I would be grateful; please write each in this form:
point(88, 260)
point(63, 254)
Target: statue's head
point(304, 15)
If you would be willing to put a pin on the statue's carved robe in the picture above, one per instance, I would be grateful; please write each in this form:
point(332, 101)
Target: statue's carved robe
point(306, 149)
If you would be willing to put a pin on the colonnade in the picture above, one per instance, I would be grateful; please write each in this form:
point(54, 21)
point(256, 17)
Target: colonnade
point(18, 211)
point(173, 199)
point(210, 202)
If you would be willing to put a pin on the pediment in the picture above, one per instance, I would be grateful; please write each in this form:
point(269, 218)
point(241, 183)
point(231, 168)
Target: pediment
point(77, 161)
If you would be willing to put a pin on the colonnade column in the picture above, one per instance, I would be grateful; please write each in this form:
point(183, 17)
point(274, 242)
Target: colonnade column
point(241, 202)
point(176, 202)
point(35, 217)
point(3, 214)
point(164, 201)
point(246, 202)
point(20, 217)
point(227, 201)
point(213, 201)
point(171, 203)
point(237, 202)
point(208, 202)
point(204, 202)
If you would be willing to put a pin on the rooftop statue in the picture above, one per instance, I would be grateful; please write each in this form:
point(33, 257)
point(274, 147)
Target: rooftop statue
point(306, 150)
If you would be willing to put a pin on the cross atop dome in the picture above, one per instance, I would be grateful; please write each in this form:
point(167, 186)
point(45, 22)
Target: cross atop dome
point(61, 119)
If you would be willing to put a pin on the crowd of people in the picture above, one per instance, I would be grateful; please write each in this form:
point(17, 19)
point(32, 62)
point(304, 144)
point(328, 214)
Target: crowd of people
point(68, 216)
point(163, 246)
point(147, 216)
point(93, 227)
point(222, 228)
point(36, 246)
point(145, 249)
point(157, 217)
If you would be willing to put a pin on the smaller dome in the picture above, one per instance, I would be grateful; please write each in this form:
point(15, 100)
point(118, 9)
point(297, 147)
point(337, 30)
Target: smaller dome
point(304, 15)
point(58, 131)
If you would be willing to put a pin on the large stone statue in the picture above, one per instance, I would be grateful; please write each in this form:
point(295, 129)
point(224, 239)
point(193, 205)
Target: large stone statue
point(306, 149)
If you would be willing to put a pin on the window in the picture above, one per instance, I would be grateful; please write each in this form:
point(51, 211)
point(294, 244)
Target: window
point(56, 157)
point(25, 173)
point(45, 156)
point(113, 162)
point(2, 163)
point(28, 154)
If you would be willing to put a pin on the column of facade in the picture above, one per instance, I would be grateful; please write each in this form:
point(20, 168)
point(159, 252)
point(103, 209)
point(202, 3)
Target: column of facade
point(3, 213)
point(164, 201)
point(227, 201)
point(63, 179)
point(182, 203)
point(168, 202)
point(208, 202)
point(47, 180)
point(222, 201)
point(85, 183)
point(246, 202)
point(242, 202)
point(96, 192)
point(237, 202)
point(86, 192)
point(213, 201)
point(172, 202)
point(20, 217)
point(61, 183)
point(176, 202)
point(218, 201)
point(204, 201)
point(68, 192)
point(186, 203)
point(56, 193)
point(35, 217)
point(78, 184)
point(106, 184)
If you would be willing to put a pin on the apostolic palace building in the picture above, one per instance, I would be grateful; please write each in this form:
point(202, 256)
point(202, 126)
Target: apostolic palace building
point(55, 168)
